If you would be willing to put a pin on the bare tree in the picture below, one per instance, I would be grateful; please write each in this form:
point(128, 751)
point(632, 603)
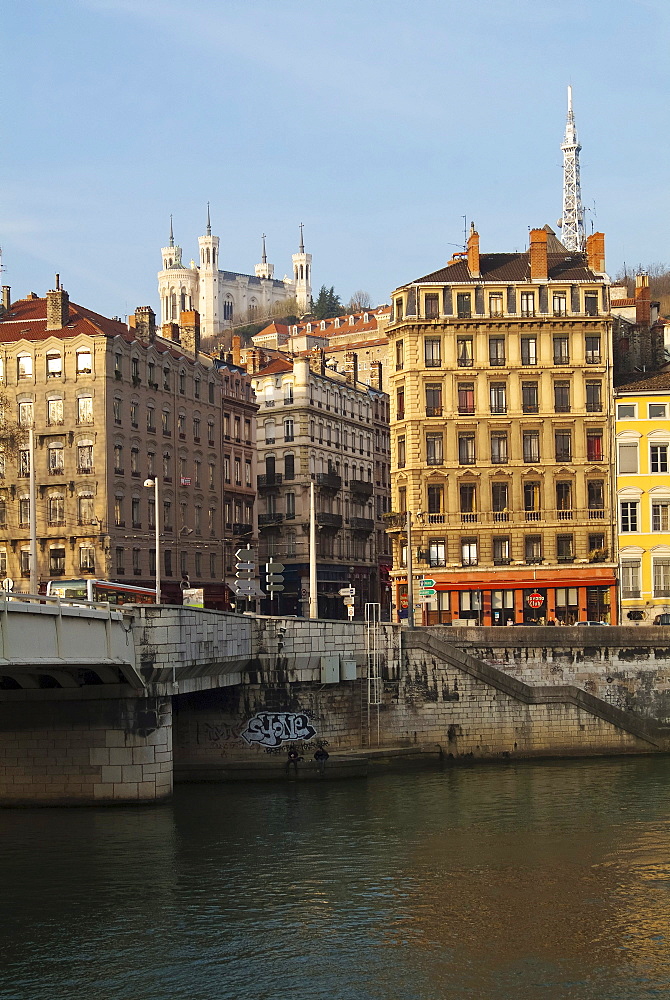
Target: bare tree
point(359, 302)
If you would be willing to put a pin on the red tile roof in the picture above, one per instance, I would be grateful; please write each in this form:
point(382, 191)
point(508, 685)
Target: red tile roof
point(502, 267)
point(655, 383)
point(276, 367)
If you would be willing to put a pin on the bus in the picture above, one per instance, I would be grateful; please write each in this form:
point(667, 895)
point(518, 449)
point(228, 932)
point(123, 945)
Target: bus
point(100, 590)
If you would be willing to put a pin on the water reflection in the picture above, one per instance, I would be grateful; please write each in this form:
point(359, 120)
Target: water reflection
point(524, 881)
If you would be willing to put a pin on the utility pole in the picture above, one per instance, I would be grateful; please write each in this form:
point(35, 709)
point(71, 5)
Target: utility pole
point(410, 571)
point(313, 595)
point(33, 512)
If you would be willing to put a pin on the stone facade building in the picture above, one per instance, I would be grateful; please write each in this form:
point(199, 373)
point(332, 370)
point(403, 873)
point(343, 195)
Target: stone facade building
point(113, 406)
point(328, 428)
point(501, 435)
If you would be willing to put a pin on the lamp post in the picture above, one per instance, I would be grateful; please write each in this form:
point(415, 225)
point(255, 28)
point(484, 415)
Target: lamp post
point(157, 518)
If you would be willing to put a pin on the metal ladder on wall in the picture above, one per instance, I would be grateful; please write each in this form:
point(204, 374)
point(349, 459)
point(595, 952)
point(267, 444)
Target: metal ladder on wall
point(372, 684)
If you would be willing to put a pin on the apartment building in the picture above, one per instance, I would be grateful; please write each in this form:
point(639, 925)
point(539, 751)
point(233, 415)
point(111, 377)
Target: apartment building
point(327, 428)
point(501, 443)
point(112, 407)
point(643, 497)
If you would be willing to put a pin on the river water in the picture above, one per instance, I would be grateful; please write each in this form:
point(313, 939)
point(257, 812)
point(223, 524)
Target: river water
point(496, 882)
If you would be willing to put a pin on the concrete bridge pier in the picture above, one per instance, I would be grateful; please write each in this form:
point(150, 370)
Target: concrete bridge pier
point(85, 751)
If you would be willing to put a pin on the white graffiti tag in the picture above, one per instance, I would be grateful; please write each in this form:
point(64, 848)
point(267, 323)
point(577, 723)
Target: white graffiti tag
point(270, 729)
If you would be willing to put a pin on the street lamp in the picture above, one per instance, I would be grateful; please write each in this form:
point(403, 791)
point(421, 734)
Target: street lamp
point(157, 518)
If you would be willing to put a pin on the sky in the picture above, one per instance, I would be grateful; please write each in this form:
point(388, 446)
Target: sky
point(383, 126)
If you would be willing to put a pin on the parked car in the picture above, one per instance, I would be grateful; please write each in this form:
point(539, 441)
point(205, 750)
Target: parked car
point(662, 620)
point(595, 623)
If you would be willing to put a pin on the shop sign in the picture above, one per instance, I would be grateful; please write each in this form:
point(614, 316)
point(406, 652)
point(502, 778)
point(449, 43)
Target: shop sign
point(535, 600)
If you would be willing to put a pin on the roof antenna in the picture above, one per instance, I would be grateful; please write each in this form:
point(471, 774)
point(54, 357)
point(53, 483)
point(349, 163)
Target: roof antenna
point(465, 232)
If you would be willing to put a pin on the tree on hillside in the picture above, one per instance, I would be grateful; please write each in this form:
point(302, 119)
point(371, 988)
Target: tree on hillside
point(659, 283)
point(360, 301)
point(328, 304)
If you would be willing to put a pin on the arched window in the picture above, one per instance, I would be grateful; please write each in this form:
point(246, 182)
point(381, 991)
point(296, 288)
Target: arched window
point(56, 509)
point(54, 364)
point(24, 366)
point(208, 255)
point(301, 271)
point(56, 459)
point(85, 510)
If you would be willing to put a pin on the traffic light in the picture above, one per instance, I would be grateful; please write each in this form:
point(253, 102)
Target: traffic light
point(245, 571)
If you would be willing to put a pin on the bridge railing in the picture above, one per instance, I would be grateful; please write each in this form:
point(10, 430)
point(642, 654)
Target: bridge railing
point(15, 596)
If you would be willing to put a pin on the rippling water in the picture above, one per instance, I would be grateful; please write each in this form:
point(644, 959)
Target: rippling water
point(493, 882)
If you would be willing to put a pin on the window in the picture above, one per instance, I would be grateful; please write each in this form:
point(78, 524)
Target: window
point(466, 449)
point(595, 489)
point(563, 445)
point(84, 458)
point(561, 351)
point(591, 303)
point(269, 432)
point(466, 397)
point(529, 397)
point(210, 432)
point(433, 352)
point(120, 560)
point(135, 512)
point(247, 474)
point(196, 388)
point(498, 396)
point(290, 505)
point(288, 430)
point(84, 363)
point(657, 411)
point(531, 501)
point(116, 410)
point(26, 414)
point(437, 555)
point(496, 351)
point(210, 392)
point(628, 515)
point(469, 551)
point(167, 515)
point(496, 304)
point(594, 446)
point(165, 423)
point(499, 447)
point(528, 304)
point(501, 551)
point(400, 402)
point(399, 356)
point(533, 549)
point(560, 304)
point(85, 509)
point(464, 305)
point(594, 397)
point(597, 547)
point(54, 364)
point(166, 467)
point(25, 562)
point(468, 502)
point(431, 301)
point(56, 510)
point(531, 446)
point(500, 501)
point(56, 561)
point(24, 462)
point(3, 514)
point(118, 459)
point(464, 352)
point(434, 455)
point(528, 351)
point(625, 411)
point(87, 559)
point(401, 452)
point(592, 350)
point(56, 457)
point(151, 419)
point(54, 412)
point(435, 500)
point(289, 466)
point(134, 462)
point(24, 366)
point(660, 521)
point(135, 369)
point(630, 578)
point(212, 565)
point(658, 454)
point(661, 576)
point(561, 397)
point(196, 429)
point(564, 548)
point(564, 501)
point(627, 456)
point(119, 519)
point(85, 410)
point(434, 399)
point(24, 511)
point(288, 393)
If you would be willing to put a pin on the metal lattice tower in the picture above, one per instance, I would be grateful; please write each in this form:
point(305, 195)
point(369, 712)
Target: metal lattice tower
point(572, 220)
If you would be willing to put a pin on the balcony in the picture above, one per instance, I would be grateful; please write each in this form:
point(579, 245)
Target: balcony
point(327, 520)
point(269, 481)
point(267, 519)
point(361, 487)
point(329, 481)
point(361, 524)
point(242, 529)
point(435, 411)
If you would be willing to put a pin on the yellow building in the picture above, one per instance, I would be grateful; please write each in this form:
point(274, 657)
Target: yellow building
point(643, 497)
point(501, 435)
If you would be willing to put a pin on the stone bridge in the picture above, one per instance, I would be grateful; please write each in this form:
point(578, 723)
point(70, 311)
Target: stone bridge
point(108, 706)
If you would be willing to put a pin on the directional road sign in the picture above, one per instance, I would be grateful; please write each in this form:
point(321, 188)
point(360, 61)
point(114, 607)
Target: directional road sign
point(244, 567)
point(347, 591)
point(348, 601)
point(427, 592)
point(245, 553)
point(273, 567)
point(423, 600)
point(274, 587)
point(426, 583)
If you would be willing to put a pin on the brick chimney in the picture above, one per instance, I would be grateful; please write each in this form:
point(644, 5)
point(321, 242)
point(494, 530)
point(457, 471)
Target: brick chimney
point(255, 360)
point(170, 331)
point(595, 252)
point(376, 368)
point(538, 255)
point(236, 345)
point(145, 324)
point(58, 307)
point(351, 367)
point(189, 326)
point(6, 299)
point(473, 252)
point(317, 360)
point(642, 300)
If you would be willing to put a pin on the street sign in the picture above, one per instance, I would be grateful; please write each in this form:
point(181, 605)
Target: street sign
point(273, 567)
point(350, 611)
point(245, 553)
point(244, 567)
point(427, 592)
point(274, 587)
point(274, 578)
point(348, 601)
point(535, 600)
point(347, 591)
point(423, 600)
point(426, 583)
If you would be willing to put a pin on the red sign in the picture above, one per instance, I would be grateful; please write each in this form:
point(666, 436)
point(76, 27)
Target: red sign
point(535, 600)
point(403, 601)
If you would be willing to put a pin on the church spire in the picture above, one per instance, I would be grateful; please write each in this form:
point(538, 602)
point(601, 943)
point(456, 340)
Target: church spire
point(302, 241)
point(171, 233)
point(572, 220)
point(264, 256)
point(209, 224)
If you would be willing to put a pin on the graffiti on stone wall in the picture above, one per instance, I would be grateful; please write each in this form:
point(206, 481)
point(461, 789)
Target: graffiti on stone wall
point(271, 729)
point(220, 732)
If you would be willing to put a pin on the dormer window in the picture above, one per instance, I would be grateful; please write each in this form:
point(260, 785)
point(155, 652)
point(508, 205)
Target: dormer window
point(323, 324)
point(352, 320)
point(366, 317)
point(337, 322)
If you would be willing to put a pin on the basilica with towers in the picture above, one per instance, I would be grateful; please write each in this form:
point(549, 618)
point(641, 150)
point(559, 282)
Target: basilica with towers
point(223, 297)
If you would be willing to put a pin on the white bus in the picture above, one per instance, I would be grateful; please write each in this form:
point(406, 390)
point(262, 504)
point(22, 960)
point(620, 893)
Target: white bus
point(100, 590)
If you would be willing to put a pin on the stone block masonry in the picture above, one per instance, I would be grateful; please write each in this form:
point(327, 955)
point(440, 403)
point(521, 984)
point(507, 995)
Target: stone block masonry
point(85, 752)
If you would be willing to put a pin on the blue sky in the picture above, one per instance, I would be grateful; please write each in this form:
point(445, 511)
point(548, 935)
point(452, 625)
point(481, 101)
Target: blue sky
point(377, 124)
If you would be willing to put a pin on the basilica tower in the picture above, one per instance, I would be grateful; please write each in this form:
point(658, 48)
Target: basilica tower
point(210, 321)
point(177, 284)
point(302, 268)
